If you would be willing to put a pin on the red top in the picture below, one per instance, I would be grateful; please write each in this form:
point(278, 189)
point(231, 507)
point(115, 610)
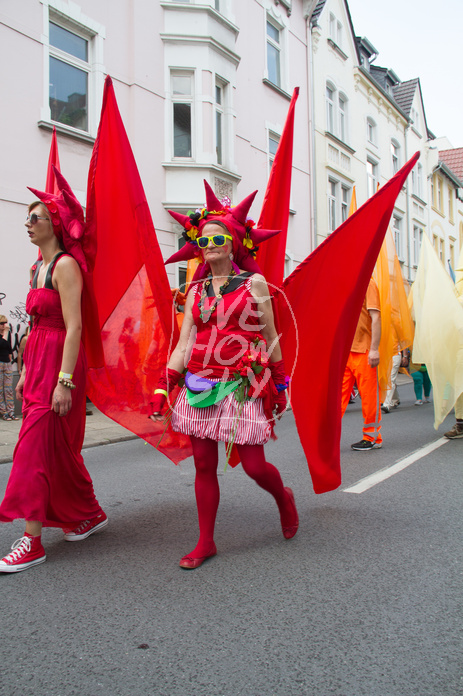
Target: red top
point(229, 333)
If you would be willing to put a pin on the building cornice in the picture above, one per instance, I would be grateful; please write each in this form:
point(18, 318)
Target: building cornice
point(339, 142)
point(370, 83)
point(185, 7)
point(209, 41)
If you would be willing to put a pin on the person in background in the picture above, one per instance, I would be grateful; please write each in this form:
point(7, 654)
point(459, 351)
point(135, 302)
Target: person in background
point(457, 431)
point(421, 382)
point(6, 372)
point(22, 345)
point(362, 367)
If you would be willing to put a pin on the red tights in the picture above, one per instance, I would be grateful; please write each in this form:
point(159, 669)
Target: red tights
point(206, 456)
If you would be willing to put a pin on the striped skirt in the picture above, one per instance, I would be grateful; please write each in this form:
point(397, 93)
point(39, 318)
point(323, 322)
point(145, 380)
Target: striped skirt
point(218, 422)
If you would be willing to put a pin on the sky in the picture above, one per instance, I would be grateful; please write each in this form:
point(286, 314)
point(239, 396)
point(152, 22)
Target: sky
point(420, 38)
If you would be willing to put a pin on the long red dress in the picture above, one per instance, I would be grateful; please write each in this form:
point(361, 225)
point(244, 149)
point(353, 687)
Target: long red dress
point(48, 481)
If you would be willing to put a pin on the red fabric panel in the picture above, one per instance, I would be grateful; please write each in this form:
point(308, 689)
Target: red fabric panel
point(51, 185)
point(136, 312)
point(325, 294)
point(275, 208)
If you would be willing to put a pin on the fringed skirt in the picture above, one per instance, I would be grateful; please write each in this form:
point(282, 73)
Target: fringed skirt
point(221, 421)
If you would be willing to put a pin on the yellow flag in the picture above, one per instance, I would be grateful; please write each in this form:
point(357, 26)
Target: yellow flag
point(438, 331)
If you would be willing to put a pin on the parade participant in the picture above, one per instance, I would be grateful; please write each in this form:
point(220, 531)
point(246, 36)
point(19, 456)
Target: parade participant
point(6, 372)
point(49, 484)
point(362, 367)
point(231, 387)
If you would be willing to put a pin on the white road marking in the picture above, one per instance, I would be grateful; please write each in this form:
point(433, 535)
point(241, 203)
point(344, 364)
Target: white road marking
point(383, 474)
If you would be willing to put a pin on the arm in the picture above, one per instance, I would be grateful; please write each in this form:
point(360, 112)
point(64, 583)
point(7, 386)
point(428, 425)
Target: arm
point(259, 290)
point(373, 355)
point(178, 358)
point(67, 279)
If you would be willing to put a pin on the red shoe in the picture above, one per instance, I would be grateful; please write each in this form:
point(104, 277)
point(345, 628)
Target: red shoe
point(26, 552)
point(190, 563)
point(86, 528)
point(289, 532)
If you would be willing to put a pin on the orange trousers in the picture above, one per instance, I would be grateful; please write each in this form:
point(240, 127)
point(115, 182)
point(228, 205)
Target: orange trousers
point(358, 369)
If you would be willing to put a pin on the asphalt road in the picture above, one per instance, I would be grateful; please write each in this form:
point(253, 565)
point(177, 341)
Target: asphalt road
point(366, 600)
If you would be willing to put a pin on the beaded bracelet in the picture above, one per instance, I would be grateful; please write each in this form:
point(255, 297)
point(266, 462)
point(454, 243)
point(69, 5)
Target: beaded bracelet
point(66, 383)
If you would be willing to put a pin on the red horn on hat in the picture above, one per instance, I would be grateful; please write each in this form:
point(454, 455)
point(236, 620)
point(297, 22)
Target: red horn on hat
point(240, 211)
point(182, 219)
point(212, 202)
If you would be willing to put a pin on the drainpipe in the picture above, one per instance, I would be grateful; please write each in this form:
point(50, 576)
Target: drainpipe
point(311, 140)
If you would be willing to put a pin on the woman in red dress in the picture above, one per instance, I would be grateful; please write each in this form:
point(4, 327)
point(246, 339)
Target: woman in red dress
point(235, 376)
point(49, 484)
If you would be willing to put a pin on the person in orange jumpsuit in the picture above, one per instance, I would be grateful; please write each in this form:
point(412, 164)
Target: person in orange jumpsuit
point(362, 367)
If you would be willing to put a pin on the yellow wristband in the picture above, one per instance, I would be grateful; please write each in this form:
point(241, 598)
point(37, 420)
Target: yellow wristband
point(161, 391)
point(65, 375)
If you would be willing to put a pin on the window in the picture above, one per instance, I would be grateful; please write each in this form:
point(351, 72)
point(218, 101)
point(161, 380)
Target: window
point(335, 30)
point(441, 250)
point(219, 100)
point(417, 239)
point(332, 193)
point(344, 203)
point(397, 230)
point(342, 133)
point(395, 156)
point(452, 256)
point(182, 104)
point(415, 118)
point(419, 180)
point(329, 109)
point(450, 190)
point(440, 194)
point(273, 142)
point(372, 177)
point(274, 53)
point(336, 112)
point(69, 70)
point(338, 203)
point(371, 131)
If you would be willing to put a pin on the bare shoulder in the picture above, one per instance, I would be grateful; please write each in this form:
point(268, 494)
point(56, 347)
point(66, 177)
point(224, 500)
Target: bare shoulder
point(259, 285)
point(67, 272)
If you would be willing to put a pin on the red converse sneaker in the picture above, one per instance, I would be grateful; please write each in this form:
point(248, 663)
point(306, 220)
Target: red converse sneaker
point(86, 528)
point(26, 552)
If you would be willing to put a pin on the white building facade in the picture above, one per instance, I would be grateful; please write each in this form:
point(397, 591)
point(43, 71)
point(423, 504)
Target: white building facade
point(203, 89)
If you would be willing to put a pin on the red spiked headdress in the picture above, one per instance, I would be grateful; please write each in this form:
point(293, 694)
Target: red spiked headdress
point(237, 222)
point(67, 218)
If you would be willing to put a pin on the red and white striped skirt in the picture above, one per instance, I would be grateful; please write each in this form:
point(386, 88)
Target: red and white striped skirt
point(218, 422)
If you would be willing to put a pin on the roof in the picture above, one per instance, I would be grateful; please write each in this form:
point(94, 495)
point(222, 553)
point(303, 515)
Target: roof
point(454, 160)
point(404, 93)
point(317, 11)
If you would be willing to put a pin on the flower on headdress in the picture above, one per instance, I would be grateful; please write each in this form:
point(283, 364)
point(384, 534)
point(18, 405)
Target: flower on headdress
point(226, 202)
point(247, 241)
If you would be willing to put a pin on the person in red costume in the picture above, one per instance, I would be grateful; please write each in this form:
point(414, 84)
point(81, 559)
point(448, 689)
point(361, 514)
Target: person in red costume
point(235, 378)
point(49, 484)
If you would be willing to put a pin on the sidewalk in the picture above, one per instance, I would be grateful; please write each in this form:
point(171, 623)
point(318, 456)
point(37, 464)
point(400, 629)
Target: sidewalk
point(99, 430)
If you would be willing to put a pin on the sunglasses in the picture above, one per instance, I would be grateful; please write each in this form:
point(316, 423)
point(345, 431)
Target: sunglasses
point(34, 217)
point(217, 240)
